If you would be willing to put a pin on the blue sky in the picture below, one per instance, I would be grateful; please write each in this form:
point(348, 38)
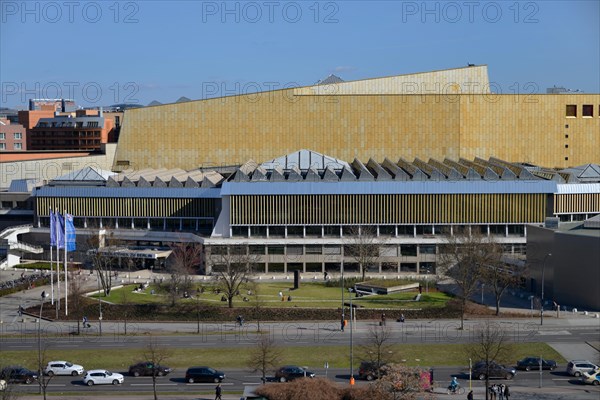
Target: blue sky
point(106, 52)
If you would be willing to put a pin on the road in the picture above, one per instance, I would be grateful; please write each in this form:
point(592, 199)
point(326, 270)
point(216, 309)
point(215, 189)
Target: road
point(22, 333)
point(237, 379)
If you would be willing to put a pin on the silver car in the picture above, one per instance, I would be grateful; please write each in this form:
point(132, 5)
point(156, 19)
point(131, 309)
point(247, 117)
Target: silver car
point(578, 367)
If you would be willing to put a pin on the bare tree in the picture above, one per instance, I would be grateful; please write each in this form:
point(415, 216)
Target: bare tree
point(186, 258)
point(256, 300)
point(264, 356)
point(363, 246)
point(233, 270)
point(377, 349)
point(76, 291)
point(156, 354)
point(500, 275)
point(490, 345)
point(463, 256)
point(401, 382)
point(126, 304)
point(101, 254)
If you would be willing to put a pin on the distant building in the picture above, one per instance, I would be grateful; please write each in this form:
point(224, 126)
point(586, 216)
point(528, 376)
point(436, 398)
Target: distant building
point(62, 105)
point(87, 131)
point(12, 136)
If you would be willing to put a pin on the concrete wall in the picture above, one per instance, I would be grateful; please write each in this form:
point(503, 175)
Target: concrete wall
point(572, 273)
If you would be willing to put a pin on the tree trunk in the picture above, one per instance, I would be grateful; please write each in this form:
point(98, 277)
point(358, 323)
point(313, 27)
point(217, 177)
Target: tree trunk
point(497, 306)
point(154, 385)
point(230, 301)
point(462, 313)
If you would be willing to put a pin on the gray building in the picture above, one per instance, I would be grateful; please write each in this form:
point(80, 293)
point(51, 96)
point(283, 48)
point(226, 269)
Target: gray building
point(569, 259)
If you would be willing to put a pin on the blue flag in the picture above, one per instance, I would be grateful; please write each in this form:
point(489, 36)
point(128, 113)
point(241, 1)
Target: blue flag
point(52, 229)
point(60, 230)
point(70, 228)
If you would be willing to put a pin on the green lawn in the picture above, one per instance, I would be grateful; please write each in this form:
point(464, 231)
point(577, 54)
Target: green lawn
point(314, 295)
point(313, 357)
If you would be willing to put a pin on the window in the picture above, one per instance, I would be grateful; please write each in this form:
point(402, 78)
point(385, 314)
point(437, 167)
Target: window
point(588, 110)
point(2, 136)
point(2, 146)
point(571, 110)
point(18, 146)
point(566, 146)
point(18, 135)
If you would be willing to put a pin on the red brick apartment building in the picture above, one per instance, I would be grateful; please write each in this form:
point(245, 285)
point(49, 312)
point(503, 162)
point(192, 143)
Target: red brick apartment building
point(85, 131)
point(12, 136)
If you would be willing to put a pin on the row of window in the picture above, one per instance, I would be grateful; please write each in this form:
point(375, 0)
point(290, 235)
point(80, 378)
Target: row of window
point(68, 124)
point(294, 250)
point(35, 134)
point(422, 268)
point(381, 230)
point(16, 146)
point(16, 136)
point(587, 110)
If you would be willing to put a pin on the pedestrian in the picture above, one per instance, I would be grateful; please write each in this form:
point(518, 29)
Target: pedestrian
point(85, 322)
point(401, 318)
point(218, 392)
point(343, 324)
point(506, 392)
point(382, 319)
point(501, 391)
point(494, 391)
point(470, 395)
point(325, 275)
point(20, 310)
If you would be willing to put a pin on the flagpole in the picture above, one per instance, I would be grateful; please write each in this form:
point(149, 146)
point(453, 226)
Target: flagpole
point(66, 274)
point(51, 258)
point(57, 229)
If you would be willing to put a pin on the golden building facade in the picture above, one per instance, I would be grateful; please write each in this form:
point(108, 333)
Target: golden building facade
point(438, 114)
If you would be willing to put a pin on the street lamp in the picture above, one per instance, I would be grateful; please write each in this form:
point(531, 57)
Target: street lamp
point(40, 372)
point(543, 276)
point(99, 305)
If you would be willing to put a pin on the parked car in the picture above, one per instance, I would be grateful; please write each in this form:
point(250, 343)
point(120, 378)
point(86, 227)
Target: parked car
point(291, 372)
point(529, 363)
point(16, 374)
point(203, 374)
point(369, 370)
point(496, 371)
point(102, 377)
point(578, 367)
point(592, 378)
point(63, 368)
point(148, 368)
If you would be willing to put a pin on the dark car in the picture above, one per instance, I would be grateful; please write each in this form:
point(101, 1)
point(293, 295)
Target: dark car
point(369, 370)
point(496, 371)
point(529, 363)
point(291, 372)
point(17, 374)
point(148, 369)
point(203, 374)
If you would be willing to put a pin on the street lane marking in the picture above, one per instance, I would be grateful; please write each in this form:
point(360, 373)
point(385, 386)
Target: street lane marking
point(149, 384)
point(209, 384)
